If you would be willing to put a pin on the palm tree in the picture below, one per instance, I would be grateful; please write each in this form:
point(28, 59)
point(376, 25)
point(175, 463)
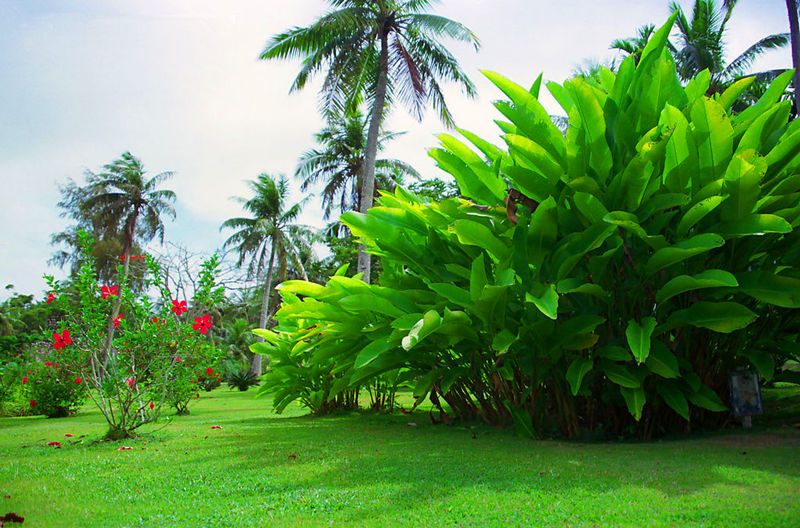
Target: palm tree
point(126, 202)
point(794, 31)
point(340, 164)
point(270, 229)
point(635, 45)
point(701, 45)
point(379, 51)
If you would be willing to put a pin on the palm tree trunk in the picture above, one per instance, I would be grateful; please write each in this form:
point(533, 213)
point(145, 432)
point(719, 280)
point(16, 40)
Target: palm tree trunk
point(118, 301)
point(368, 183)
point(794, 31)
point(255, 367)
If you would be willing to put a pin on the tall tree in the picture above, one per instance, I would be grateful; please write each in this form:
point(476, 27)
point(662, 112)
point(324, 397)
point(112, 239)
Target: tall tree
point(635, 45)
point(269, 233)
point(124, 200)
point(794, 32)
point(378, 51)
point(701, 45)
point(339, 163)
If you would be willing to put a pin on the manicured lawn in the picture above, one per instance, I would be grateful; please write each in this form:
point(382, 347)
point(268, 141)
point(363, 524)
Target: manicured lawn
point(368, 470)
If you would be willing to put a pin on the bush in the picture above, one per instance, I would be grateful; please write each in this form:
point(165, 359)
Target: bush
point(55, 391)
point(239, 376)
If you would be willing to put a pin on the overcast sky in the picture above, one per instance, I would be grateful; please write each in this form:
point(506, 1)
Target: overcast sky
point(179, 84)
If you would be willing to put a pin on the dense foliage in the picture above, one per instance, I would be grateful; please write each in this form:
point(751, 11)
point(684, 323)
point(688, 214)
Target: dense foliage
point(603, 280)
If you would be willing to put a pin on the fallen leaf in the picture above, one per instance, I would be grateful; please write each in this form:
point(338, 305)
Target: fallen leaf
point(216, 427)
point(56, 444)
point(11, 518)
point(292, 456)
point(69, 435)
point(6, 496)
point(412, 424)
point(124, 448)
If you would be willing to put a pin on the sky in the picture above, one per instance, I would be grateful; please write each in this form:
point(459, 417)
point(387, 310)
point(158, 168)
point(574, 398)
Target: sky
point(179, 84)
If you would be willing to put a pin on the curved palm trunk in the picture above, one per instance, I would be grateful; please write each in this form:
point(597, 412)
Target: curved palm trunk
point(255, 367)
point(118, 300)
point(368, 182)
point(794, 31)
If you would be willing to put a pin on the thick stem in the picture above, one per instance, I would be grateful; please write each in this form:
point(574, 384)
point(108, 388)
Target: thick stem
point(794, 31)
point(255, 368)
point(368, 182)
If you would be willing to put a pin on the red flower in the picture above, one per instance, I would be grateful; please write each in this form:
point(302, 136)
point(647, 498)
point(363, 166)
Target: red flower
point(209, 370)
point(177, 360)
point(216, 427)
point(69, 435)
point(57, 444)
point(24, 380)
point(48, 364)
point(61, 340)
point(131, 382)
point(51, 297)
point(116, 320)
point(179, 307)
point(33, 403)
point(152, 406)
point(124, 448)
point(202, 323)
point(113, 290)
point(155, 319)
point(78, 381)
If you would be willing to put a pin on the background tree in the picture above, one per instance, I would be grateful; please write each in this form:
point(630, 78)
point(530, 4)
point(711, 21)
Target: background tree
point(794, 32)
point(635, 45)
point(339, 163)
point(701, 43)
point(125, 201)
point(379, 51)
point(268, 234)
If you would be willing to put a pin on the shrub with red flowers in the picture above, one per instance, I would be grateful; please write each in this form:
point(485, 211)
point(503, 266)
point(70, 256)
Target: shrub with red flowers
point(52, 386)
point(154, 352)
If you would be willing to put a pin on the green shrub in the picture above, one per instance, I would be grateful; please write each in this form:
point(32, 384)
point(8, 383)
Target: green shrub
point(239, 376)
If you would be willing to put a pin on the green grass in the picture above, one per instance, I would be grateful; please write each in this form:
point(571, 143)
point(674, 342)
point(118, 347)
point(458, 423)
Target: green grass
point(369, 470)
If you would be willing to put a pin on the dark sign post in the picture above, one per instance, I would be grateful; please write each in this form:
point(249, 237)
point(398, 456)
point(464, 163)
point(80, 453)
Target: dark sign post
point(745, 395)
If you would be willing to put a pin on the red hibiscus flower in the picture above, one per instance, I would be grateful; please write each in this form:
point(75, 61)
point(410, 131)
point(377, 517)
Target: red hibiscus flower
point(155, 319)
point(179, 307)
point(209, 371)
point(57, 444)
point(33, 403)
point(131, 382)
point(152, 406)
point(124, 448)
point(78, 381)
point(177, 360)
point(51, 297)
point(24, 380)
point(106, 291)
point(216, 427)
point(70, 435)
point(117, 319)
point(48, 364)
point(61, 340)
point(202, 323)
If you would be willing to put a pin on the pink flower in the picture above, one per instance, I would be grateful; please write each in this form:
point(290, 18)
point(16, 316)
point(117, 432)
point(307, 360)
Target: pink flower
point(69, 435)
point(57, 444)
point(202, 323)
point(124, 448)
point(179, 307)
point(106, 291)
point(216, 427)
point(131, 382)
point(51, 297)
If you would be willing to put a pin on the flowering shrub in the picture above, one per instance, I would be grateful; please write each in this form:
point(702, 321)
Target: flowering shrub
point(145, 357)
point(56, 390)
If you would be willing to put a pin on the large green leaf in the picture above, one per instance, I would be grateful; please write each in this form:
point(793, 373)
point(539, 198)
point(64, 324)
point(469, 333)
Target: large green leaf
point(707, 399)
point(713, 278)
point(761, 360)
point(662, 361)
point(621, 375)
point(477, 234)
point(755, 224)
point(545, 299)
point(673, 397)
point(683, 250)
point(429, 323)
point(638, 336)
point(714, 135)
point(371, 352)
point(770, 288)
point(576, 371)
point(697, 212)
point(635, 400)
point(724, 317)
point(593, 123)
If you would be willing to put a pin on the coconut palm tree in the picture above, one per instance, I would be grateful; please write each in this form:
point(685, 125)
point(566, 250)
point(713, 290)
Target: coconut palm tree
point(635, 45)
point(269, 233)
point(339, 163)
point(126, 202)
point(379, 51)
point(700, 45)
